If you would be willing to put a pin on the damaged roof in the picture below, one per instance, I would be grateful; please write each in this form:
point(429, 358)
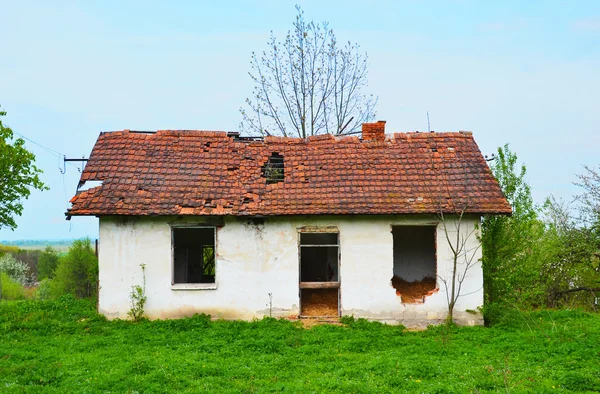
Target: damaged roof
point(212, 173)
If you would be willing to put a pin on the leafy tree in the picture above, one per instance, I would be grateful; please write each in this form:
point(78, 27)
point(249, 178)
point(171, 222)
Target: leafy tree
point(13, 275)
point(571, 268)
point(77, 271)
point(10, 289)
point(29, 257)
point(590, 182)
point(510, 264)
point(18, 175)
point(15, 269)
point(308, 84)
point(47, 263)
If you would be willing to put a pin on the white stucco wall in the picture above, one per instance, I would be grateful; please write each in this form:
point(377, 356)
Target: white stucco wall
point(254, 260)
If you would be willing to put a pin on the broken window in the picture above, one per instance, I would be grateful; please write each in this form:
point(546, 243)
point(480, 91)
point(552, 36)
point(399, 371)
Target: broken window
point(415, 271)
point(273, 168)
point(319, 274)
point(194, 255)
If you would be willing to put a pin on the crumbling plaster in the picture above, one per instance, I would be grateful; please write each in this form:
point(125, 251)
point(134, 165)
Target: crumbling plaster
point(258, 257)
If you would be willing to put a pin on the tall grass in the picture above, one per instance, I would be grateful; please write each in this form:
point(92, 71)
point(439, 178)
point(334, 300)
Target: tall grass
point(65, 346)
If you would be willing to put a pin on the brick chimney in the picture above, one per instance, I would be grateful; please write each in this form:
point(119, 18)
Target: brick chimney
point(374, 131)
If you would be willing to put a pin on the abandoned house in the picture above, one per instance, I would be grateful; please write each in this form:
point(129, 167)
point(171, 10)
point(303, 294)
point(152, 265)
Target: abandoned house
point(242, 227)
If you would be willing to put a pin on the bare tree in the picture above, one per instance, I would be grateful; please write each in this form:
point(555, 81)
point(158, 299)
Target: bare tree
point(454, 220)
point(590, 199)
point(308, 85)
point(463, 256)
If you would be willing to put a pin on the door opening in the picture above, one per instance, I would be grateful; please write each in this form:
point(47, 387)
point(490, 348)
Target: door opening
point(319, 275)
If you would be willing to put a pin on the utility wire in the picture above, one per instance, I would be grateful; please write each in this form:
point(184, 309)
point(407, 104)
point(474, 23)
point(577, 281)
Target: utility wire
point(60, 157)
point(53, 152)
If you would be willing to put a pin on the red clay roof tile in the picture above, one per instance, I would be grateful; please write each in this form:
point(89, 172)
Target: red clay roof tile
point(189, 172)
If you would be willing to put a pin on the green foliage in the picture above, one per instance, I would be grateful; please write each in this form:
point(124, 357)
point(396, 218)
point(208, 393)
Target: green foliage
point(8, 249)
point(17, 270)
point(47, 263)
point(29, 257)
point(510, 257)
point(572, 258)
point(44, 290)
point(208, 260)
point(19, 175)
point(10, 289)
point(77, 272)
point(539, 257)
point(65, 346)
point(137, 298)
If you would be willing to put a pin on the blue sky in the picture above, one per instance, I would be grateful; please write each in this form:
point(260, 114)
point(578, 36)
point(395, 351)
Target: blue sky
point(517, 72)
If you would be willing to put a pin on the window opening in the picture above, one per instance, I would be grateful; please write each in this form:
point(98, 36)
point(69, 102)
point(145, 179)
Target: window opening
point(415, 267)
point(273, 170)
point(319, 274)
point(194, 255)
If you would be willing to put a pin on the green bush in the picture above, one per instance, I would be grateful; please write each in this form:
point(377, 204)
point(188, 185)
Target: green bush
point(77, 272)
point(10, 289)
point(44, 290)
point(17, 270)
point(47, 263)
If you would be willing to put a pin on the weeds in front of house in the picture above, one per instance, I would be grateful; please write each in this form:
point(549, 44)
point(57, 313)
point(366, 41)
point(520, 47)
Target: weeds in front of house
point(65, 346)
point(137, 298)
point(270, 305)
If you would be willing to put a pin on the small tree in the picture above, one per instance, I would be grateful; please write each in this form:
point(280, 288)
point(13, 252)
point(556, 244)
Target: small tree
point(463, 256)
point(47, 263)
point(511, 260)
point(308, 85)
point(77, 271)
point(14, 274)
point(18, 175)
point(590, 198)
point(571, 267)
point(15, 269)
point(460, 231)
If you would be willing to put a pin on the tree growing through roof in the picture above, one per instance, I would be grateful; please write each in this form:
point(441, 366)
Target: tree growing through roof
point(308, 84)
point(18, 175)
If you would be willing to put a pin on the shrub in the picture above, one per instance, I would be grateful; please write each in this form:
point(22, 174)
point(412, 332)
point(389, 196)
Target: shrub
point(17, 270)
point(44, 290)
point(10, 289)
point(77, 272)
point(47, 263)
point(137, 298)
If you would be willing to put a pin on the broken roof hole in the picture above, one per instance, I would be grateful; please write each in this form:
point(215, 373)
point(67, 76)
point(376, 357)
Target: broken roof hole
point(272, 171)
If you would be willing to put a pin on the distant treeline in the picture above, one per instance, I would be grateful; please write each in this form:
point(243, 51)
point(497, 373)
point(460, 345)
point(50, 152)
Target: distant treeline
point(60, 244)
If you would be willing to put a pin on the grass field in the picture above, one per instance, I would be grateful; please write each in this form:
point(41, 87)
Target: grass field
point(64, 346)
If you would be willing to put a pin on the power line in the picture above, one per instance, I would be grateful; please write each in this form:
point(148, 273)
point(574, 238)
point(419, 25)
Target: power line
point(53, 152)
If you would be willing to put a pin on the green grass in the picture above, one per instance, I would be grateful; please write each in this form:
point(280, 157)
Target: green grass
point(64, 346)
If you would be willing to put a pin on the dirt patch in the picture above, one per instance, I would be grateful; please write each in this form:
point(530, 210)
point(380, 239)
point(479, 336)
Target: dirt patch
point(319, 302)
point(414, 292)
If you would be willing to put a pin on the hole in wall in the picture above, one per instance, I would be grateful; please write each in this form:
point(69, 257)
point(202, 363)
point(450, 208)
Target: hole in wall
point(415, 267)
